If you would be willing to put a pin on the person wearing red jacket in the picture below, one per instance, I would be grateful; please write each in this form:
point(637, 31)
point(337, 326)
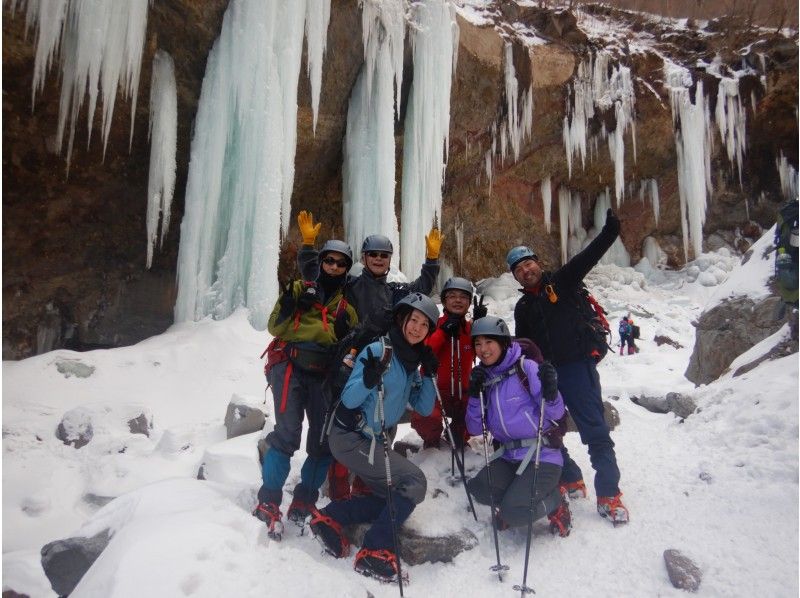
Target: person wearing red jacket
point(452, 345)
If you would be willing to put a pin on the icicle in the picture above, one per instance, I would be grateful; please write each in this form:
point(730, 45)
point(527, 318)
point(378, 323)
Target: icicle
point(653, 252)
point(318, 15)
point(459, 229)
point(163, 145)
point(427, 126)
point(788, 177)
point(654, 199)
point(563, 220)
point(487, 165)
point(547, 202)
point(731, 122)
point(368, 171)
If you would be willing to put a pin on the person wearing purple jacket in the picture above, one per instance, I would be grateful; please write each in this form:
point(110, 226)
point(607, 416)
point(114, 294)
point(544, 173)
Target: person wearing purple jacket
point(513, 389)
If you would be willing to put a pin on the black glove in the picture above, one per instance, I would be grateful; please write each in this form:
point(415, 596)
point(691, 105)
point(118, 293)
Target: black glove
point(612, 222)
point(307, 299)
point(288, 302)
point(452, 326)
point(373, 369)
point(479, 310)
point(341, 325)
point(549, 379)
point(476, 381)
point(428, 361)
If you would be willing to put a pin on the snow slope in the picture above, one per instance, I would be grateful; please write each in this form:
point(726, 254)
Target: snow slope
point(721, 486)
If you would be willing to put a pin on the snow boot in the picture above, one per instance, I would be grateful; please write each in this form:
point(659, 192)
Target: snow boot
point(270, 513)
point(611, 507)
point(561, 518)
point(329, 533)
point(380, 564)
point(302, 504)
point(631, 350)
point(575, 489)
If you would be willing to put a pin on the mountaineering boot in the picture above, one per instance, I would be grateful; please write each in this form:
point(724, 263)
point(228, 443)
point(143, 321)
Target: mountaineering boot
point(329, 534)
point(622, 349)
point(269, 513)
point(575, 489)
point(612, 508)
point(561, 518)
point(631, 350)
point(302, 504)
point(380, 564)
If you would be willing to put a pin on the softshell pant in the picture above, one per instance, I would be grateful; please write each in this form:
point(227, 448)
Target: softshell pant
point(352, 450)
point(295, 394)
point(512, 492)
point(623, 339)
point(579, 384)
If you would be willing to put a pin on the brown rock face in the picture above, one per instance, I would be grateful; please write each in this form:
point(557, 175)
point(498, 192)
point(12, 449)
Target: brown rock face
point(74, 247)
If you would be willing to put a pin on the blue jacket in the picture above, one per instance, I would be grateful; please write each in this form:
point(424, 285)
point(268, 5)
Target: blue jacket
point(400, 389)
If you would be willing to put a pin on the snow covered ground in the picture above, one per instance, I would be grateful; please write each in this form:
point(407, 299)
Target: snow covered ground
point(721, 486)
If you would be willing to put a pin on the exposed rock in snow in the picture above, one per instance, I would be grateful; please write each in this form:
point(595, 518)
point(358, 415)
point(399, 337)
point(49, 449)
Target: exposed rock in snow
point(609, 412)
point(683, 573)
point(141, 424)
point(74, 367)
point(243, 416)
point(66, 561)
point(75, 428)
point(417, 549)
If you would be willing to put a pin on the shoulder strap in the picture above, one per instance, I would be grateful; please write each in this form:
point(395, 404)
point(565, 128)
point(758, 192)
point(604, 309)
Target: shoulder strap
point(523, 375)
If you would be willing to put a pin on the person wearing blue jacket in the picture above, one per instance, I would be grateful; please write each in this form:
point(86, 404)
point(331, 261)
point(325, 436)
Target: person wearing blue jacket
point(513, 389)
point(385, 379)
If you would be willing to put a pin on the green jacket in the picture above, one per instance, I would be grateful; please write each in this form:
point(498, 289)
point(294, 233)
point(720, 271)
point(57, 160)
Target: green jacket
point(315, 325)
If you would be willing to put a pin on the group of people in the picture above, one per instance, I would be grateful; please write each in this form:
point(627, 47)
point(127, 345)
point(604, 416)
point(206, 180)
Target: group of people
point(628, 333)
point(352, 353)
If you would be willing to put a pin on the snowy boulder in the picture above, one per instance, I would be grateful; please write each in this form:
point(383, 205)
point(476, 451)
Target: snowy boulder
point(234, 462)
point(66, 561)
point(244, 416)
point(417, 548)
point(683, 573)
point(680, 404)
point(653, 404)
point(141, 424)
point(75, 428)
point(74, 367)
point(661, 339)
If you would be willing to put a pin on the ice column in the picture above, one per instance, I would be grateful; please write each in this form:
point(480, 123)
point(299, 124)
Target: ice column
point(163, 138)
point(100, 48)
point(616, 254)
point(434, 38)
point(241, 168)
point(788, 177)
point(318, 15)
point(547, 201)
point(368, 171)
point(563, 220)
point(731, 121)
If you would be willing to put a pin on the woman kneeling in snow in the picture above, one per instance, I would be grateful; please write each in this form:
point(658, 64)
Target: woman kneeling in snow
point(512, 390)
point(384, 380)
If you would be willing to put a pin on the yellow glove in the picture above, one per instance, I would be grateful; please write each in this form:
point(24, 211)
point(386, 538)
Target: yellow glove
point(308, 230)
point(433, 243)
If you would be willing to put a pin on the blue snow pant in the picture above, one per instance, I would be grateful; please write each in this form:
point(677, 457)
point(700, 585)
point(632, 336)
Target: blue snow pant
point(579, 384)
point(623, 339)
point(295, 393)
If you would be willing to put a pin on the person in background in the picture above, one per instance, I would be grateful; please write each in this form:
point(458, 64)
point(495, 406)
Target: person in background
point(550, 313)
point(451, 343)
point(625, 336)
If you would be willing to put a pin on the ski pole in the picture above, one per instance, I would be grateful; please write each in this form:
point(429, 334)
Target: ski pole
point(499, 568)
point(459, 462)
point(389, 499)
point(524, 589)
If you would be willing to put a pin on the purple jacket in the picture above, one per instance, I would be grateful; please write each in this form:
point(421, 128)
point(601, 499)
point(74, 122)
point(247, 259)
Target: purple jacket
point(513, 414)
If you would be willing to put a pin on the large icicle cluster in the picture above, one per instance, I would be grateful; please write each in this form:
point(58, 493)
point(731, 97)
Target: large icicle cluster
point(368, 171)
point(730, 117)
point(163, 145)
point(318, 16)
point(599, 87)
point(99, 45)
point(434, 38)
point(693, 145)
point(788, 177)
point(241, 168)
point(650, 187)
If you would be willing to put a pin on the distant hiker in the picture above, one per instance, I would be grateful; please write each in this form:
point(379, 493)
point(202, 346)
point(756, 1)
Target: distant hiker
point(786, 262)
point(513, 389)
point(626, 336)
point(306, 322)
point(385, 379)
point(373, 297)
point(451, 343)
point(550, 312)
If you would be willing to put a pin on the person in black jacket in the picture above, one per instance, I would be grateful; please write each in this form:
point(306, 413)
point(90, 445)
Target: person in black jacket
point(551, 312)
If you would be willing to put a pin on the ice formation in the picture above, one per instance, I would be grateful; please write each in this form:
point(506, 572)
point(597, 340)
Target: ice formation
point(241, 168)
point(788, 177)
point(368, 171)
point(731, 122)
point(616, 254)
point(563, 220)
point(163, 145)
point(650, 187)
point(434, 39)
point(653, 252)
point(599, 87)
point(318, 16)
point(99, 45)
point(547, 201)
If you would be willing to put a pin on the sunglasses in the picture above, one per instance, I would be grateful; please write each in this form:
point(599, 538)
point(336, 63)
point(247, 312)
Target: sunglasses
point(379, 254)
point(334, 262)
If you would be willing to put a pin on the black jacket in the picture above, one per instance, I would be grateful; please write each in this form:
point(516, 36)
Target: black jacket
point(561, 329)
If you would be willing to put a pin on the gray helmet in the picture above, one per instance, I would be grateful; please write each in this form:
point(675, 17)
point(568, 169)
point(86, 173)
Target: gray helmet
point(377, 243)
point(457, 283)
point(338, 246)
point(490, 326)
point(518, 254)
point(421, 302)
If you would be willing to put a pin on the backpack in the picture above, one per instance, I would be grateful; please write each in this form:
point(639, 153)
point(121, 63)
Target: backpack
point(623, 328)
point(786, 245)
point(635, 332)
point(598, 328)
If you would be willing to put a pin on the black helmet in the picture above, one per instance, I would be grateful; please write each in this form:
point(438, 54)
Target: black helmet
point(457, 283)
point(421, 302)
point(339, 247)
point(490, 326)
point(377, 243)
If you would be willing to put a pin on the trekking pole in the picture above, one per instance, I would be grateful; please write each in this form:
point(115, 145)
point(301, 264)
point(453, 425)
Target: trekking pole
point(459, 462)
point(452, 394)
point(460, 391)
point(389, 499)
point(524, 589)
point(499, 568)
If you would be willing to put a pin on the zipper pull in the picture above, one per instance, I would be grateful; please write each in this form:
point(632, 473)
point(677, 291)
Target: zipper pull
point(551, 293)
